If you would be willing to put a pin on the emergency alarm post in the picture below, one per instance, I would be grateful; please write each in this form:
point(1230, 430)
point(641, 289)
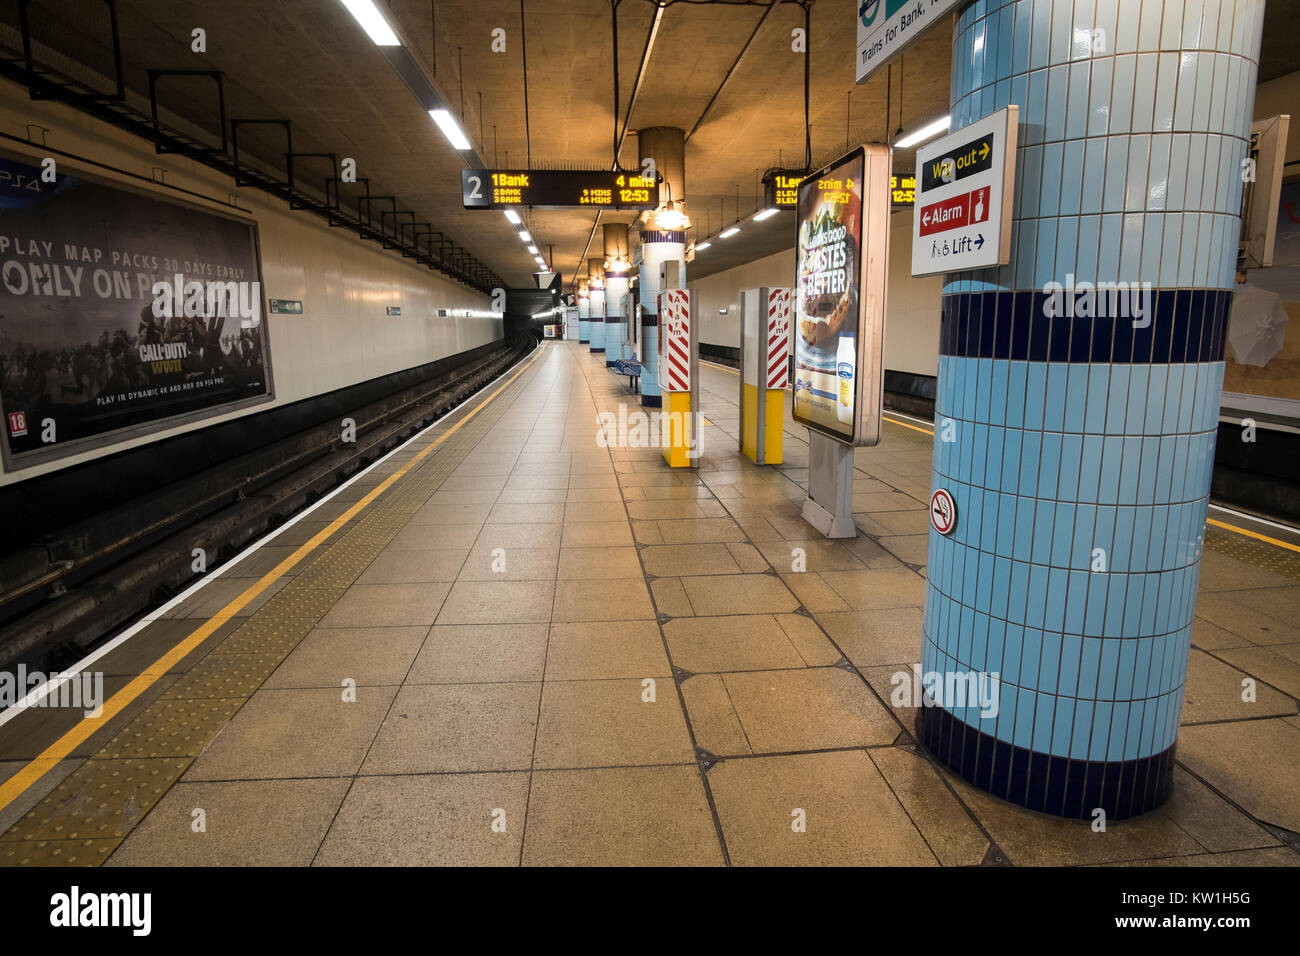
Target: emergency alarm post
point(679, 371)
point(843, 260)
point(765, 330)
point(964, 184)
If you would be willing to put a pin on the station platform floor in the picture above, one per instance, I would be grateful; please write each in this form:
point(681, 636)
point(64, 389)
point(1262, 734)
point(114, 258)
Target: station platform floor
point(505, 644)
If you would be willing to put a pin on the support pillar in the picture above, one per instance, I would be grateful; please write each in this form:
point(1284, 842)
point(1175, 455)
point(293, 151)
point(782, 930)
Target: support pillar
point(596, 306)
point(663, 239)
point(1075, 431)
point(584, 315)
point(617, 269)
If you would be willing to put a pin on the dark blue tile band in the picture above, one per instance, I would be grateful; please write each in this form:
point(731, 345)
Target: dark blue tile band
point(1185, 325)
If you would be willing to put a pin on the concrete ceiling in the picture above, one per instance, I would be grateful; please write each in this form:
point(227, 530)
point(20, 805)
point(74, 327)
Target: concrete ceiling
point(308, 61)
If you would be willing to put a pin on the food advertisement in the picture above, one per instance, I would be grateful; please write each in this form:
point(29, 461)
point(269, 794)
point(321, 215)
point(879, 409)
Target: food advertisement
point(827, 306)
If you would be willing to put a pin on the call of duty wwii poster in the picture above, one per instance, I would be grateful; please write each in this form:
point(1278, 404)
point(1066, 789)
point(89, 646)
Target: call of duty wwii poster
point(119, 312)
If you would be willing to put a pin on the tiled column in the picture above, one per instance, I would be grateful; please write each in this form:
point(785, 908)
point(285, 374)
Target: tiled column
point(657, 247)
point(1078, 446)
point(584, 317)
point(617, 273)
point(596, 300)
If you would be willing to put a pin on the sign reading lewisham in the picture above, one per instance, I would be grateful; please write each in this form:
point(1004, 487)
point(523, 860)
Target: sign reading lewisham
point(842, 247)
point(887, 27)
point(962, 214)
point(120, 314)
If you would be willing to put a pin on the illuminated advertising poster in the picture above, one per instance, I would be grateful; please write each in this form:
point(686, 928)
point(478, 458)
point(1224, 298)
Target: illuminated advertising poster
point(843, 251)
point(829, 243)
point(120, 314)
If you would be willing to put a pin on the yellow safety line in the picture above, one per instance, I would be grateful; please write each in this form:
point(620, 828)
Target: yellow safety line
point(39, 766)
point(894, 421)
point(1253, 534)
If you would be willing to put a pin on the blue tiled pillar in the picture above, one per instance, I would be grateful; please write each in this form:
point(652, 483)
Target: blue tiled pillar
point(596, 298)
point(616, 284)
point(1082, 445)
point(584, 318)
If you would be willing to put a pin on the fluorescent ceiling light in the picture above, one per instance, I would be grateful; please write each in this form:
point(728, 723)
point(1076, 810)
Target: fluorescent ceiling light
point(449, 129)
point(728, 233)
point(701, 246)
point(767, 213)
point(512, 216)
point(372, 21)
point(523, 234)
point(533, 250)
point(925, 132)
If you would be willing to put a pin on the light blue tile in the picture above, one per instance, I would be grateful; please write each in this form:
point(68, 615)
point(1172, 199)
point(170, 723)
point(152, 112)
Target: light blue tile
point(1055, 397)
point(1009, 478)
point(1138, 383)
point(1062, 535)
point(1089, 242)
point(1006, 538)
point(1081, 732)
point(1129, 471)
point(1152, 243)
point(1123, 76)
point(1131, 246)
point(1149, 24)
point(1036, 386)
point(1166, 90)
point(1090, 667)
point(1030, 450)
point(1090, 468)
point(1076, 604)
point(1044, 519)
point(1139, 155)
point(1058, 85)
point(1125, 35)
point(1144, 92)
point(1107, 669)
point(1112, 230)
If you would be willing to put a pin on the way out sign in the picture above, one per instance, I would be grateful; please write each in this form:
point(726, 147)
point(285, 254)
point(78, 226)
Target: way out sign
point(964, 186)
point(943, 511)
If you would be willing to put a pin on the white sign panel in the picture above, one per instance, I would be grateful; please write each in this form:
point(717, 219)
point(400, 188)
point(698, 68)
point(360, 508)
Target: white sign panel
point(886, 27)
point(964, 186)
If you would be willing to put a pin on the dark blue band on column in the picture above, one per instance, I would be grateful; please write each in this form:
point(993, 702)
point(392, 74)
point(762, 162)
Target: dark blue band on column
point(1044, 782)
point(1184, 325)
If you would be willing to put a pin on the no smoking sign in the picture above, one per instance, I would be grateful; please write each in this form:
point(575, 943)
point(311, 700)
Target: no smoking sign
point(943, 511)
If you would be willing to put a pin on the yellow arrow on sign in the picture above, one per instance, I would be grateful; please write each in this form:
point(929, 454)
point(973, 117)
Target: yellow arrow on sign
point(984, 152)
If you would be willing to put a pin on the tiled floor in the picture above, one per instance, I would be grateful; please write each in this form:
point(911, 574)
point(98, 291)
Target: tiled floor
point(559, 653)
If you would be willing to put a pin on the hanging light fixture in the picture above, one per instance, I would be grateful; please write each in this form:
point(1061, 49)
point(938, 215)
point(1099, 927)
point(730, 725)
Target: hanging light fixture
point(668, 218)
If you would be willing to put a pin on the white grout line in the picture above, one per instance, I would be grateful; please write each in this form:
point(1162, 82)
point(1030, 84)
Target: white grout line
point(34, 696)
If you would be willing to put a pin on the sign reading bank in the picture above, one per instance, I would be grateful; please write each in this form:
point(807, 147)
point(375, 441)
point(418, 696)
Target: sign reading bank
point(885, 27)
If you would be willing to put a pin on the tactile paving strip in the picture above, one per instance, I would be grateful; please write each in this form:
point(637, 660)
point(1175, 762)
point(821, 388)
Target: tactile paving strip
point(57, 852)
point(85, 818)
point(224, 675)
point(1258, 554)
point(172, 728)
point(100, 800)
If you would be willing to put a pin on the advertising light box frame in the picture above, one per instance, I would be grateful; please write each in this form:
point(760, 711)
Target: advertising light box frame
point(871, 164)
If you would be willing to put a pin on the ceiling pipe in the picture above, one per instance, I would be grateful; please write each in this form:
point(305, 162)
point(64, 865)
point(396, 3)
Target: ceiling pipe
point(732, 70)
